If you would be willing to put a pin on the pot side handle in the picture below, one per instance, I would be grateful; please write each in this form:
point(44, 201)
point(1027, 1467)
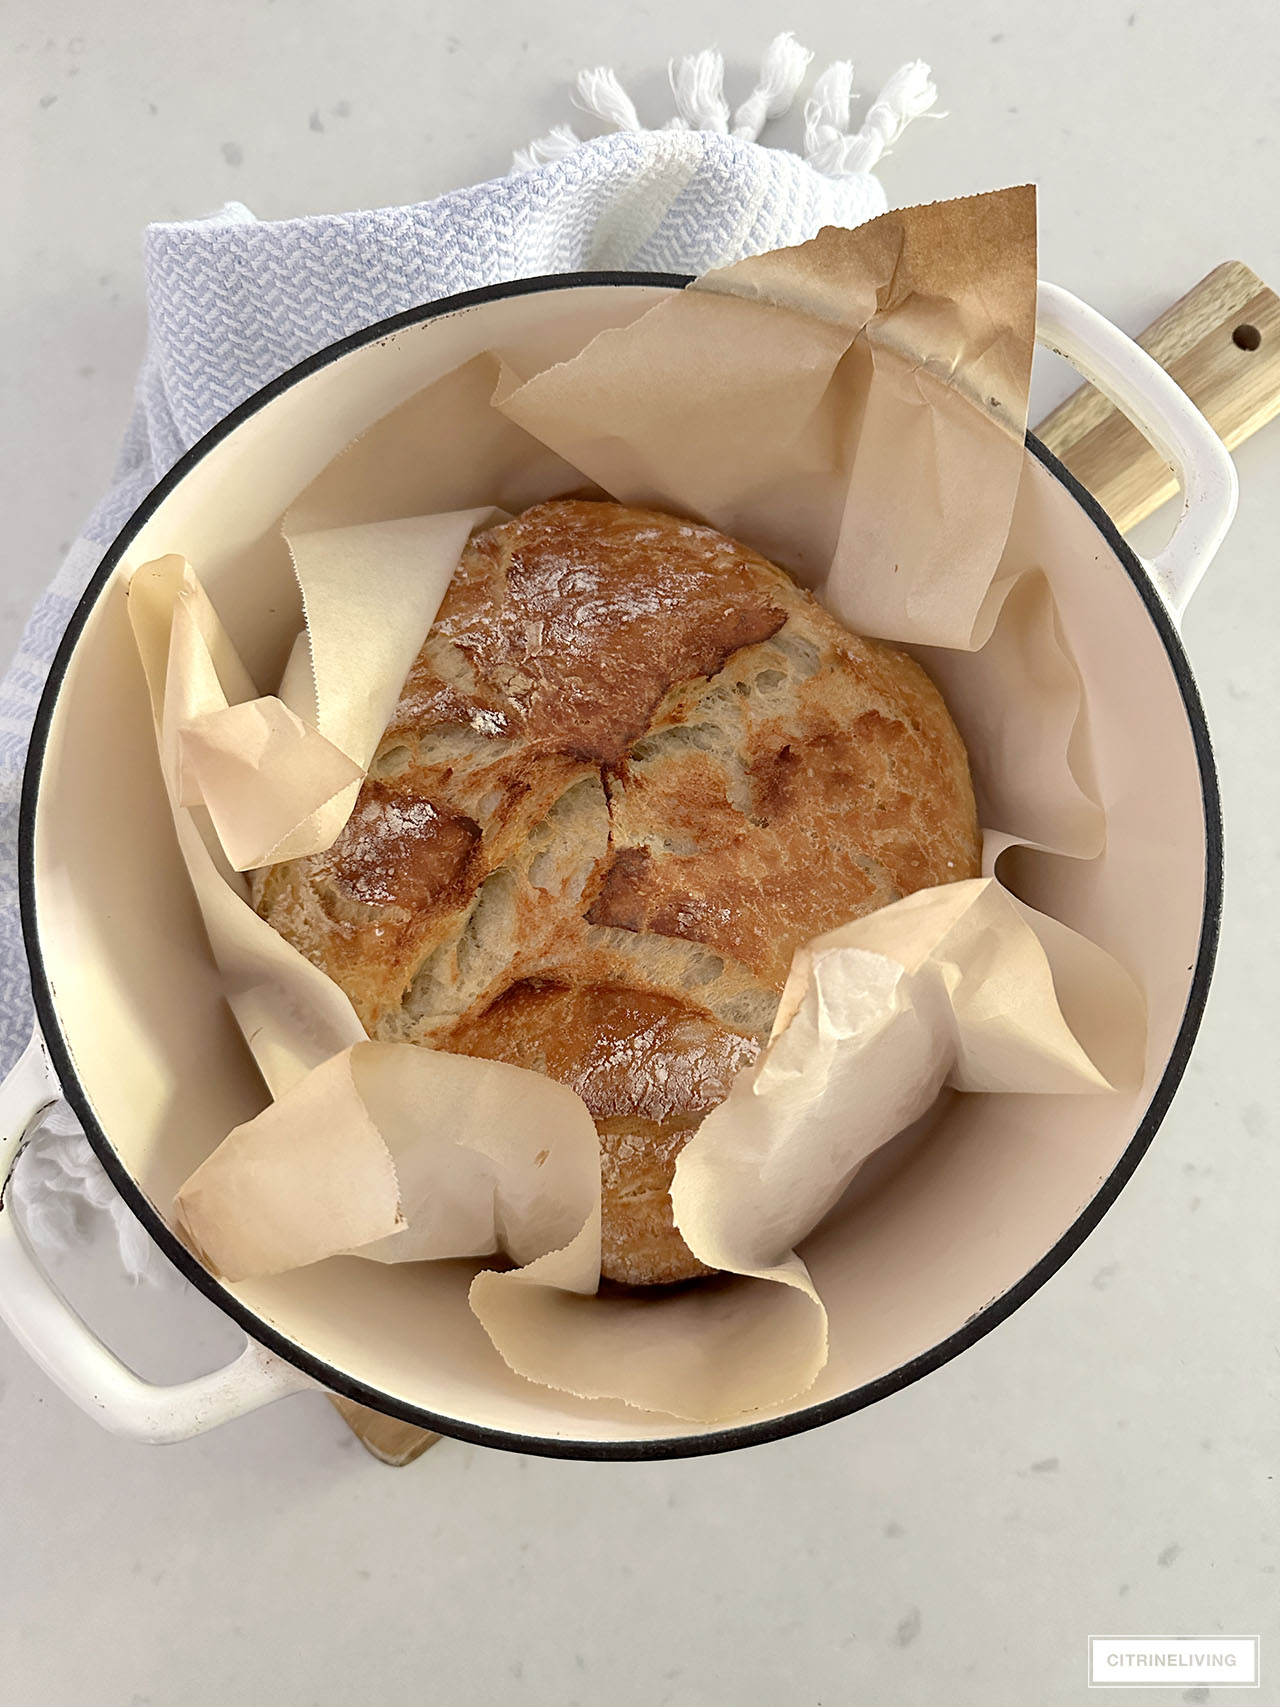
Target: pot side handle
point(71, 1355)
point(1162, 412)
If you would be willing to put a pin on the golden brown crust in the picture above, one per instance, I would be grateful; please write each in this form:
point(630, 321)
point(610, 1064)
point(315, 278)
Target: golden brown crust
point(627, 1053)
point(848, 792)
point(648, 1068)
point(577, 618)
point(633, 768)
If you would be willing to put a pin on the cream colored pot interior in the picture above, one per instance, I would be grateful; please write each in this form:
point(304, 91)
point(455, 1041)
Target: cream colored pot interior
point(970, 1210)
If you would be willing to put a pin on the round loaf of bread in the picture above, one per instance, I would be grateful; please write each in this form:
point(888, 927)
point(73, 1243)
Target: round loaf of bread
point(634, 767)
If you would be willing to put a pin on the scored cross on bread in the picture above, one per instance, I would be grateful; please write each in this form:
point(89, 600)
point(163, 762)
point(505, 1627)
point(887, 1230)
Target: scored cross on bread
point(633, 768)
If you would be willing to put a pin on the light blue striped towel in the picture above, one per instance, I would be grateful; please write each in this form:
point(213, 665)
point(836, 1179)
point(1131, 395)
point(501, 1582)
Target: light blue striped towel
point(233, 301)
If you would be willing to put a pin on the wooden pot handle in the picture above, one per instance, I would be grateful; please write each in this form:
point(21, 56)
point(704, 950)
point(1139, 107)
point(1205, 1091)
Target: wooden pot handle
point(1221, 343)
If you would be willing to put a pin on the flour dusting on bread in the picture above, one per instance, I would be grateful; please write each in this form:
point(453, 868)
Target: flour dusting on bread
point(633, 768)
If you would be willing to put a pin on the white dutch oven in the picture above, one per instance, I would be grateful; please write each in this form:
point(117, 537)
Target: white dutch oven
point(133, 1028)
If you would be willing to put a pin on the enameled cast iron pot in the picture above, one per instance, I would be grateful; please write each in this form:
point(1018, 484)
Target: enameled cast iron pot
point(133, 1029)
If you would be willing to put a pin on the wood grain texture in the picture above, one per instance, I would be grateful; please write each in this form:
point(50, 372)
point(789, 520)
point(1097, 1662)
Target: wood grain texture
point(1203, 342)
point(387, 1438)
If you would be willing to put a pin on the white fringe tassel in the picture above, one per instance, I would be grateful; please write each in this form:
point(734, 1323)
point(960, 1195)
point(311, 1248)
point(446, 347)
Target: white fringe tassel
point(600, 93)
point(782, 71)
point(697, 82)
point(560, 140)
point(828, 144)
point(826, 112)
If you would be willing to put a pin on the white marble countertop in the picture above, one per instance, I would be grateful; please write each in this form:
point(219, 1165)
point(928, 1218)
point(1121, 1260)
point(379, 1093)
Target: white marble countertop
point(1102, 1462)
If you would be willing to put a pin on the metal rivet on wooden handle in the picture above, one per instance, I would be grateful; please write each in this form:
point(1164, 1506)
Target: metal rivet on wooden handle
point(1221, 342)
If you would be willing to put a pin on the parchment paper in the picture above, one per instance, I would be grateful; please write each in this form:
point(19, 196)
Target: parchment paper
point(854, 408)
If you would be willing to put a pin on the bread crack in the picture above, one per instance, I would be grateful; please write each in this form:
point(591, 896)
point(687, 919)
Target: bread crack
point(633, 768)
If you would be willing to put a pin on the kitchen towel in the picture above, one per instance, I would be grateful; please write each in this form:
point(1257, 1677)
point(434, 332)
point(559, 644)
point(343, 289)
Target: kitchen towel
point(233, 301)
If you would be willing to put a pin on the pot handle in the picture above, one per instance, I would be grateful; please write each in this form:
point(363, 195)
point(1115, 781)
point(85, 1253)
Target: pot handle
point(1163, 413)
point(70, 1354)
